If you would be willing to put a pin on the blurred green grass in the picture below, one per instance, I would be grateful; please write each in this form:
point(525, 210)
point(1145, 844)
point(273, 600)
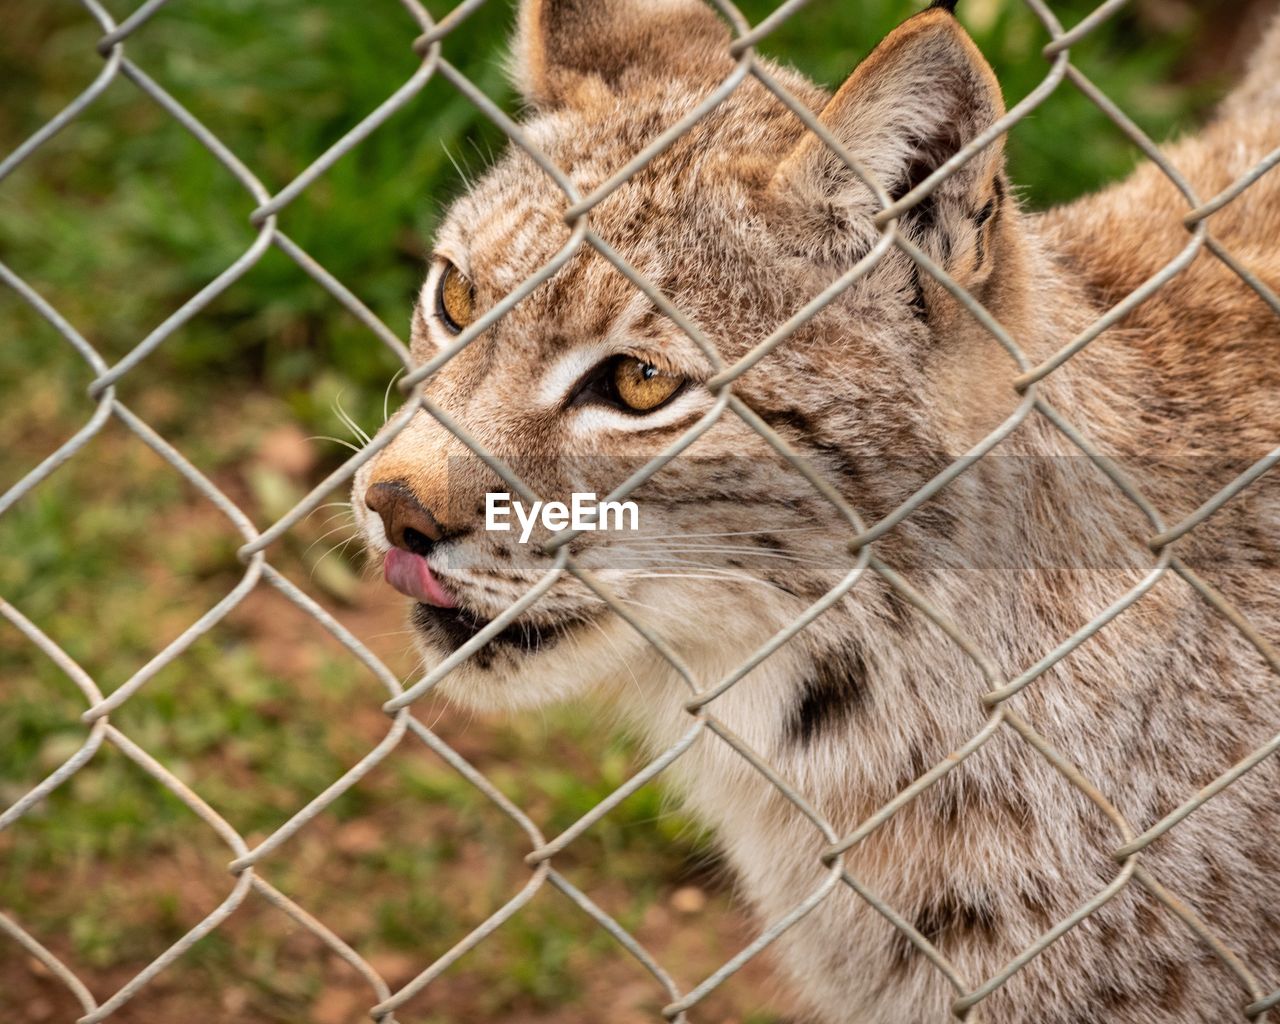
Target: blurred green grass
point(124, 215)
point(120, 219)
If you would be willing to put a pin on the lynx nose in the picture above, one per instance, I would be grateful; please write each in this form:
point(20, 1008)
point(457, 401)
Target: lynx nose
point(405, 519)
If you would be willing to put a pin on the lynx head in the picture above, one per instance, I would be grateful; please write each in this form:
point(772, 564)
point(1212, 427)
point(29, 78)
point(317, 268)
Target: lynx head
point(740, 222)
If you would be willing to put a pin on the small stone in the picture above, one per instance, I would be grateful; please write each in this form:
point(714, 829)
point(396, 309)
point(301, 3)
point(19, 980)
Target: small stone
point(235, 1001)
point(688, 899)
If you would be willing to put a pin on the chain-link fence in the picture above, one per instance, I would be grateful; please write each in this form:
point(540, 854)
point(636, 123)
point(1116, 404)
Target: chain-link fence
point(1255, 994)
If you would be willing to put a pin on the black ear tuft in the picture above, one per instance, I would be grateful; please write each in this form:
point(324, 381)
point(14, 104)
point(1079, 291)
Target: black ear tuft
point(946, 5)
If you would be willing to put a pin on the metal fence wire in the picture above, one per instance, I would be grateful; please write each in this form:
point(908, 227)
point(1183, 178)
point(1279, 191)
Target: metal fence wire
point(1255, 997)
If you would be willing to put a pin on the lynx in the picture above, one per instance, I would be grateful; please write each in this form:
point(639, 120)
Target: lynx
point(739, 223)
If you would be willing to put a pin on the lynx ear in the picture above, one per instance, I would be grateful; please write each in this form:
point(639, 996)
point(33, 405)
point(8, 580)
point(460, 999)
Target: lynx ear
point(565, 49)
point(920, 96)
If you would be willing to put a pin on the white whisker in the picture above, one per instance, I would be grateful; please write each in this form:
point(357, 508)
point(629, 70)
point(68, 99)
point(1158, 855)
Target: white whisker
point(466, 178)
point(618, 656)
point(335, 440)
point(663, 549)
point(386, 395)
point(702, 576)
point(350, 423)
point(349, 516)
point(639, 604)
point(329, 533)
point(336, 547)
point(755, 533)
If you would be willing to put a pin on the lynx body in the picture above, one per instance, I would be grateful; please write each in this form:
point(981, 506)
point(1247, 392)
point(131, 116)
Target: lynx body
point(740, 222)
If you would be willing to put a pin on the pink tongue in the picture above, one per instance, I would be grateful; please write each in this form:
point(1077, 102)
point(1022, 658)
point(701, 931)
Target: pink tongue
point(410, 574)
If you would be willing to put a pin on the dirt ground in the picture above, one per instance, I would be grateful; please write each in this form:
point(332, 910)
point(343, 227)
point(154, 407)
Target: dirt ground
point(401, 868)
point(263, 967)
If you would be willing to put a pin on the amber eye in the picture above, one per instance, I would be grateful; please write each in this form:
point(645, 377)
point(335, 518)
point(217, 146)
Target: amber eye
point(455, 300)
point(641, 386)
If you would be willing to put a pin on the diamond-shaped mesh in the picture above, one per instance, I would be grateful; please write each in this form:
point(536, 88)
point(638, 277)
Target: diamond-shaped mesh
point(404, 728)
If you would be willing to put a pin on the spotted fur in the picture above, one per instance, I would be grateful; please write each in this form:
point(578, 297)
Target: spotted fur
point(739, 223)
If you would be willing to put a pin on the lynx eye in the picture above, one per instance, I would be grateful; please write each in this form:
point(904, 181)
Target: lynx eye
point(629, 384)
point(641, 386)
point(455, 300)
